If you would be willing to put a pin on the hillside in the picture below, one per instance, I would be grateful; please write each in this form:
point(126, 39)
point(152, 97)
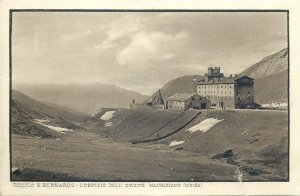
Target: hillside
point(270, 65)
point(86, 98)
point(184, 84)
point(244, 132)
point(31, 117)
point(270, 74)
point(48, 108)
point(271, 78)
point(272, 88)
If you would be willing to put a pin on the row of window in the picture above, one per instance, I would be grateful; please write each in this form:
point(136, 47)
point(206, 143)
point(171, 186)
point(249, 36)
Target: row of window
point(220, 105)
point(177, 108)
point(176, 102)
point(215, 97)
point(214, 86)
point(225, 92)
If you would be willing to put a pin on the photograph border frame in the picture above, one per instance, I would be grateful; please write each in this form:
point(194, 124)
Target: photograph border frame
point(11, 11)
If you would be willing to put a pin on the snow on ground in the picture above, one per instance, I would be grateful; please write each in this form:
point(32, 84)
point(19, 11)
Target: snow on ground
point(174, 143)
point(278, 105)
point(108, 124)
point(108, 115)
point(204, 125)
point(41, 120)
point(58, 129)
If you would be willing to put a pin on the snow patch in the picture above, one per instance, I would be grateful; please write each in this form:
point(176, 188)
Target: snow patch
point(175, 143)
point(108, 124)
point(108, 115)
point(204, 125)
point(277, 105)
point(58, 129)
point(41, 120)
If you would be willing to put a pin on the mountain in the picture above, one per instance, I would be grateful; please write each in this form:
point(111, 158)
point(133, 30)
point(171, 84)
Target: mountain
point(272, 88)
point(184, 84)
point(48, 109)
point(270, 78)
point(270, 84)
point(34, 118)
point(269, 65)
point(86, 98)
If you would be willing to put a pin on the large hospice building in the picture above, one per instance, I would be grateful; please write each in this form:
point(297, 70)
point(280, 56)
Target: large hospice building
point(226, 92)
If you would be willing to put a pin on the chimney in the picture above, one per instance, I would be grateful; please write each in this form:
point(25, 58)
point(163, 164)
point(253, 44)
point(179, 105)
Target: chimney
point(230, 76)
point(133, 101)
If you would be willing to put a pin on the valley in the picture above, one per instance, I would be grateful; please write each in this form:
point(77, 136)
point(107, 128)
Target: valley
point(106, 153)
point(96, 136)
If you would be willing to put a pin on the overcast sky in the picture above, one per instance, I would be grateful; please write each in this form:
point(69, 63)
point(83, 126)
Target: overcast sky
point(139, 51)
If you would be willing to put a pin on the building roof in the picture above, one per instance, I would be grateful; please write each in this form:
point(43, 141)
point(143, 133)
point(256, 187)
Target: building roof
point(243, 76)
point(224, 80)
point(180, 97)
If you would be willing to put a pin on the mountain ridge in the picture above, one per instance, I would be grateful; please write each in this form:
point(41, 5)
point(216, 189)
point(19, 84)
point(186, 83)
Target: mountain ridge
point(86, 98)
point(268, 71)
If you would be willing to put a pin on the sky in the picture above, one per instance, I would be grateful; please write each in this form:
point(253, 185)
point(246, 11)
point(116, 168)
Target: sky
point(139, 51)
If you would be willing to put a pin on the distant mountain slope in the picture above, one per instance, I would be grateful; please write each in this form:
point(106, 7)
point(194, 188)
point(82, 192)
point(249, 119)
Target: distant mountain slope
point(270, 82)
point(48, 109)
point(27, 115)
point(184, 84)
point(272, 88)
point(86, 98)
point(271, 78)
point(269, 65)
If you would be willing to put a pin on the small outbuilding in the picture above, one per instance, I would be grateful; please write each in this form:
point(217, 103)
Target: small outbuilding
point(184, 101)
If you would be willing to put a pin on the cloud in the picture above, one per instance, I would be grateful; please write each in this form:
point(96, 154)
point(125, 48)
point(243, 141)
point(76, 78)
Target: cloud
point(139, 51)
point(88, 32)
point(148, 47)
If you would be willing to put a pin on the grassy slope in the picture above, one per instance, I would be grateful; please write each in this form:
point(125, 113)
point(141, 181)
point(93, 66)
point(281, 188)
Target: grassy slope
point(101, 160)
point(24, 110)
point(269, 65)
point(133, 124)
point(272, 88)
point(259, 139)
point(86, 98)
point(49, 109)
point(184, 84)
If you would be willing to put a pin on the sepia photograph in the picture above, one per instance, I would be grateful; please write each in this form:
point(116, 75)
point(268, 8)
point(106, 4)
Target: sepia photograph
point(149, 96)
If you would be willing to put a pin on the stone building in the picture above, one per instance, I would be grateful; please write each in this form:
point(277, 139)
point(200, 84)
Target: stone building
point(226, 92)
point(184, 101)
